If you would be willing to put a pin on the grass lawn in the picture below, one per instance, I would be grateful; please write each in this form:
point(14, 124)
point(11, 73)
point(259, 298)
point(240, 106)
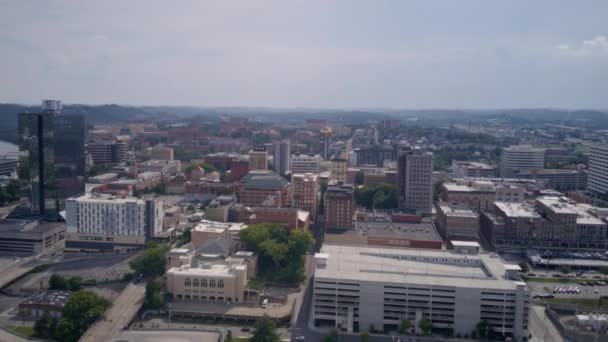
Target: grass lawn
point(584, 304)
point(27, 331)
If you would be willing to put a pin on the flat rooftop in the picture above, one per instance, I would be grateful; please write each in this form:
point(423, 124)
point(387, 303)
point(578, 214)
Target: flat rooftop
point(218, 227)
point(54, 298)
point(411, 266)
point(517, 209)
point(423, 231)
point(27, 229)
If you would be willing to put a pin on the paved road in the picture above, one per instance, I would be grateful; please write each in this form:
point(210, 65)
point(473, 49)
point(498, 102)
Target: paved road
point(123, 310)
point(5, 336)
point(541, 328)
point(164, 336)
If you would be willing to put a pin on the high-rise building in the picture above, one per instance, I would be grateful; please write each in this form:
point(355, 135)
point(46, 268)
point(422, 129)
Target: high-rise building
point(105, 222)
point(518, 158)
point(306, 192)
point(338, 169)
point(415, 180)
point(258, 159)
point(107, 152)
point(339, 206)
point(598, 169)
point(51, 153)
point(282, 157)
point(305, 163)
point(161, 153)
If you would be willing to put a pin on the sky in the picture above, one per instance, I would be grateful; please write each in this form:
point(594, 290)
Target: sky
point(313, 54)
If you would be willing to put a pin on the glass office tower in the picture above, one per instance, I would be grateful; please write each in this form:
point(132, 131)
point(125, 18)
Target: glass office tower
point(51, 157)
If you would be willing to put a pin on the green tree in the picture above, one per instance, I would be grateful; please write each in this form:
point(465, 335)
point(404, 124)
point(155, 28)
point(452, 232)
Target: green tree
point(265, 331)
point(81, 310)
point(186, 236)
point(57, 282)
point(365, 337)
point(359, 178)
point(280, 252)
point(333, 336)
point(150, 262)
point(483, 329)
point(153, 299)
point(405, 326)
point(42, 327)
point(75, 283)
point(426, 326)
point(228, 336)
point(524, 267)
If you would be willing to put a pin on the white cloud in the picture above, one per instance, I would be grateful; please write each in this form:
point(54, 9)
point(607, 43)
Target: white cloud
point(595, 46)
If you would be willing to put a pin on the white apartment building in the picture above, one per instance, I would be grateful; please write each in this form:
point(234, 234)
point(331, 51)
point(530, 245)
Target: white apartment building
point(521, 158)
point(305, 163)
point(415, 180)
point(105, 222)
point(598, 169)
point(356, 287)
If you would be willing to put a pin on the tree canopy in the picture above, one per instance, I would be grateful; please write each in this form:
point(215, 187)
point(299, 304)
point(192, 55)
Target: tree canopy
point(151, 262)
point(265, 331)
point(382, 196)
point(81, 310)
point(280, 252)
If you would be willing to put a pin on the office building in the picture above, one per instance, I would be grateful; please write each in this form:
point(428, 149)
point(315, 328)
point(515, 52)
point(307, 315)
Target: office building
point(289, 218)
point(548, 222)
point(107, 152)
point(339, 206)
point(99, 222)
point(218, 209)
point(306, 192)
point(479, 194)
point(31, 237)
point(51, 157)
point(521, 158)
point(265, 188)
point(456, 222)
point(558, 179)
point(8, 166)
point(207, 230)
point(338, 169)
point(357, 287)
point(281, 160)
point(165, 167)
point(305, 163)
point(161, 153)
point(414, 180)
point(374, 155)
point(258, 159)
point(598, 169)
point(387, 229)
point(463, 169)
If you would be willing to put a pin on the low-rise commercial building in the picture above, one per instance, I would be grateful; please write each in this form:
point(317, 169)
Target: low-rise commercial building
point(356, 288)
point(456, 222)
point(548, 222)
point(463, 169)
point(218, 209)
point(207, 230)
point(558, 179)
point(44, 302)
point(165, 167)
point(161, 153)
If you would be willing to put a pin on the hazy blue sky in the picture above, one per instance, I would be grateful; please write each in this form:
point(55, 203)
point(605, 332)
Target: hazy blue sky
point(407, 54)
